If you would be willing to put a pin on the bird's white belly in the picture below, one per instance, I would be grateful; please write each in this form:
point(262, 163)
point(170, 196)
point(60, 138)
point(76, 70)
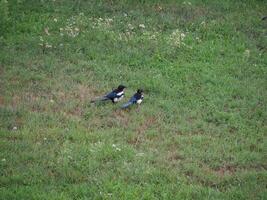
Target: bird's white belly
point(139, 101)
point(118, 99)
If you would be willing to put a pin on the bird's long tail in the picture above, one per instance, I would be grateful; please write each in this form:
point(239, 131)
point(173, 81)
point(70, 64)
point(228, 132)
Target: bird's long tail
point(99, 99)
point(126, 105)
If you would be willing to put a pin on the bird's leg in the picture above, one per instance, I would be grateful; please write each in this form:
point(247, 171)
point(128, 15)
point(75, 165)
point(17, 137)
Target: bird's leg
point(138, 108)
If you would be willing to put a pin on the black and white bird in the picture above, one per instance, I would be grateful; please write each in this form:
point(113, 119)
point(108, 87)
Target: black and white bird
point(115, 96)
point(137, 98)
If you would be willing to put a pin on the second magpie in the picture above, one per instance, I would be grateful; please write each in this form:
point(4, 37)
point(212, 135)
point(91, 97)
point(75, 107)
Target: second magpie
point(137, 98)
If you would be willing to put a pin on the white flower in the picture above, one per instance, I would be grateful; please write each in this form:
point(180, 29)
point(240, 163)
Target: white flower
point(130, 26)
point(177, 38)
point(159, 8)
point(3, 160)
point(187, 3)
point(203, 23)
point(247, 53)
point(109, 20)
point(45, 139)
point(152, 37)
point(140, 154)
point(141, 26)
point(118, 149)
point(48, 46)
point(55, 19)
point(76, 29)
point(52, 101)
point(46, 30)
point(198, 39)
point(15, 128)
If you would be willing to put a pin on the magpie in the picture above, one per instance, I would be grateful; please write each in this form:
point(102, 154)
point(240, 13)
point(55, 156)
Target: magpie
point(137, 98)
point(115, 96)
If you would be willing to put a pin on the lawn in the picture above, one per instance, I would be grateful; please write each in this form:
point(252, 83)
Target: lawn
point(200, 132)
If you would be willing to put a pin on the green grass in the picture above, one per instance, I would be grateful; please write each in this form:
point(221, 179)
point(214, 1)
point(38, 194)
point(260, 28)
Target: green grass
point(200, 133)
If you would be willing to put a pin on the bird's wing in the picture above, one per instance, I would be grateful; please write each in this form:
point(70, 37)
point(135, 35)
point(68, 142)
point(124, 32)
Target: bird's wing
point(111, 95)
point(133, 99)
point(130, 102)
point(126, 105)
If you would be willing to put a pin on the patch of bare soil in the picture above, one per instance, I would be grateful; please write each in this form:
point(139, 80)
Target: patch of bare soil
point(225, 170)
point(149, 122)
point(2, 102)
point(122, 118)
point(141, 129)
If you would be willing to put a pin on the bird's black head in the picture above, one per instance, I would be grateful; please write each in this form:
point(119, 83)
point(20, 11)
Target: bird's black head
point(140, 91)
point(121, 87)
